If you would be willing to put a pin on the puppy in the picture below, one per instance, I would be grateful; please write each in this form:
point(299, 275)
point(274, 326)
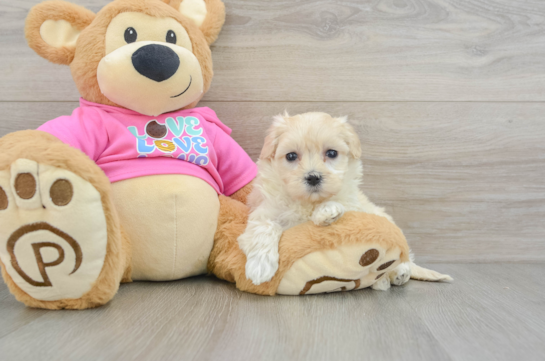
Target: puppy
point(309, 169)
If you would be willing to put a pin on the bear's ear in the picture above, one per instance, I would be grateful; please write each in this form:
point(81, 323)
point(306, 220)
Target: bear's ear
point(53, 27)
point(208, 15)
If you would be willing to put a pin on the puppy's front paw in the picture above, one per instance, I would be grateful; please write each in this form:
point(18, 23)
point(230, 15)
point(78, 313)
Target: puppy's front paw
point(327, 213)
point(261, 267)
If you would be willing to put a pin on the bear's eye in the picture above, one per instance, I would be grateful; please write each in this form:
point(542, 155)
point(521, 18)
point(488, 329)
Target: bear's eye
point(291, 156)
point(331, 153)
point(171, 37)
point(130, 35)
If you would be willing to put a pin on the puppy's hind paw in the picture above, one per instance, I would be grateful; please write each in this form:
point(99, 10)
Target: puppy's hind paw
point(383, 284)
point(261, 267)
point(327, 213)
point(401, 274)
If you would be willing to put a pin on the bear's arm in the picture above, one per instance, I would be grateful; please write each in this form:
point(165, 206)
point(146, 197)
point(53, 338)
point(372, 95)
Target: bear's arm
point(242, 194)
point(83, 130)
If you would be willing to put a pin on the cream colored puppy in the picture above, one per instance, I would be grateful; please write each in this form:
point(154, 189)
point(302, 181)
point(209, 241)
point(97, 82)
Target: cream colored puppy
point(309, 169)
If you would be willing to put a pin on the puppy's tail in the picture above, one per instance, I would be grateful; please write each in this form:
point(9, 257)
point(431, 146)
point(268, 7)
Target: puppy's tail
point(424, 274)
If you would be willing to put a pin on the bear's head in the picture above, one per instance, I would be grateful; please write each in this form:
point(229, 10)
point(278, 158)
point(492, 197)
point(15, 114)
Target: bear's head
point(150, 56)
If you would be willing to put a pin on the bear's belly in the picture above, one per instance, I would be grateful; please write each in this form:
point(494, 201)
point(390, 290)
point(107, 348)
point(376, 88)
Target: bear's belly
point(171, 221)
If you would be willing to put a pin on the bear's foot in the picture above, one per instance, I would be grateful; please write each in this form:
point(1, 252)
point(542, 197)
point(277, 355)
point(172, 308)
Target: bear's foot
point(345, 268)
point(354, 252)
point(53, 237)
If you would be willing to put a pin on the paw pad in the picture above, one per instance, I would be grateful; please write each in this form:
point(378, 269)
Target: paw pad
point(25, 185)
point(369, 257)
point(385, 265)
point(3, 199)
point(61, 192)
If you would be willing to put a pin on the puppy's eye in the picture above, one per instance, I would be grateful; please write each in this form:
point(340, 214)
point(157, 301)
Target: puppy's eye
point(331, 153)
point(171, 37)
point(130, 35)
point(291, 156)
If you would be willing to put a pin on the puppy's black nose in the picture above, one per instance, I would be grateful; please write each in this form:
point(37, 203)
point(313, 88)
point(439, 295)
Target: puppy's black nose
point(313, 180)
point(157, 62)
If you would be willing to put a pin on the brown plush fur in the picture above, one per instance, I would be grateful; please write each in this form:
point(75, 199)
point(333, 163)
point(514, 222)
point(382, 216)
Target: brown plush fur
point(242, 194)
point(76, 15)
point(212, 25)
point(227, 261)
point(46, 149)
point(215, 17)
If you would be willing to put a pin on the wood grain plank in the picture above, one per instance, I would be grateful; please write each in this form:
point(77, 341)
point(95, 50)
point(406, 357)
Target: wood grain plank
point(465, 181)
point(346, 50)
point(12, 315)
point(169, 320)
point(482, 315)
point(205, 319)
point(495, 312)
point(318, 328)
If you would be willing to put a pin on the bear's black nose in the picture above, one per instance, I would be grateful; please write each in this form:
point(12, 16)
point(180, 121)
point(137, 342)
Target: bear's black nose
point(157, 62)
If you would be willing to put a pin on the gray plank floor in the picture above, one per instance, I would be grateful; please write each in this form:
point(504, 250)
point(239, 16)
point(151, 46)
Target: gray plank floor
point(490, 312)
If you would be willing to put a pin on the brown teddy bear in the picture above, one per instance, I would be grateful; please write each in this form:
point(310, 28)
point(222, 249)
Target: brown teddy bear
point(138, 183)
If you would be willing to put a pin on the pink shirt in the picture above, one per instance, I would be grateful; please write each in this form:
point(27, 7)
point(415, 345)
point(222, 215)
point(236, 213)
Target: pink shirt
point(127, 144)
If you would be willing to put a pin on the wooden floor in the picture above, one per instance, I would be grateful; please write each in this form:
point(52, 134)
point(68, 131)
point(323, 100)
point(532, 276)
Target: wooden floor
point(491, 312)
point(448, 97)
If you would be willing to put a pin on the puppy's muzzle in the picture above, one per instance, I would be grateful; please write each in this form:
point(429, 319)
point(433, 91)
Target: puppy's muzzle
point(156, 62)
point(313, 180)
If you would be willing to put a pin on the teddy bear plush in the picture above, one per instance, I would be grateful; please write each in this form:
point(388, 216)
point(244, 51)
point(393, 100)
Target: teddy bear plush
point(139, 183)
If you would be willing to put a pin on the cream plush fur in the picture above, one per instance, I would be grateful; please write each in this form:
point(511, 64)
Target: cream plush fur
point(180, 246)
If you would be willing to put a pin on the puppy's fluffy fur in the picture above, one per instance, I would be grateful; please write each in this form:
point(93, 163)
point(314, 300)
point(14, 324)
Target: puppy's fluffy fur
point(309, 169)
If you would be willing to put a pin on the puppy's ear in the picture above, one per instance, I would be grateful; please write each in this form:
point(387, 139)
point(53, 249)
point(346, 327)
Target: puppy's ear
point(273, 135)
point(52, 28)
point(351, 138)
point(208, 15)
